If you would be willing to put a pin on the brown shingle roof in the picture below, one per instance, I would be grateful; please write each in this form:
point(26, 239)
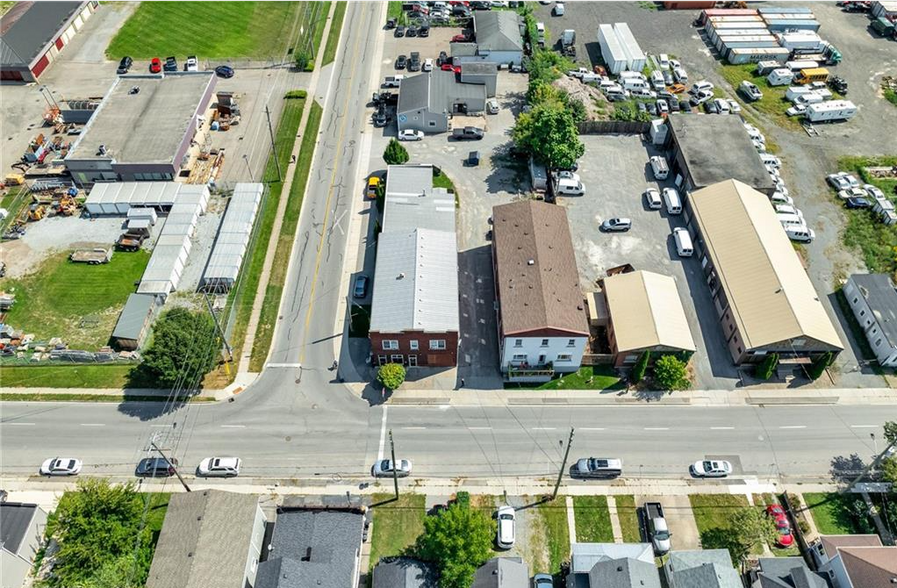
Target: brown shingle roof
point(535, 269)
point(870, 567)
point(831, 543)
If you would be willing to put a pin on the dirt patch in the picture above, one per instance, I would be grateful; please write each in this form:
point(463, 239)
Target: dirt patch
point(596, 105)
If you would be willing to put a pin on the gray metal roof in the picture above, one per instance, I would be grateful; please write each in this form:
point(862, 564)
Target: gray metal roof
point(416, 282)
point(624, 573)
point(233, 234)
point(880, 295)
point(404, 572)
point(318, 548)
point(498, 30)
point(716, 149)
point(133, 316)
point(436, 91)
point(29, 26)
point(148, 126)
point(413, 203)
point(204, 541)
point(16, 517)
point(708, 568)
point(502, 572)
point(583, 556)
point(787, 572)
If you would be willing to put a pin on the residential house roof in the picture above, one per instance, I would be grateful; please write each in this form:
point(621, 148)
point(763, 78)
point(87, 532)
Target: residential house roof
point(870, 567)
point(881, 296)
point(717, 148)
point(416, 282)
point(497, 30)
point(16, 517)
point(583, 556)
point(318, 548)
point(27, 27)
point(204, 541)
point(437, 91)
point(647, 312)
point(404, 572)
point(535, 270)
point(770, 295)
point(787, 572)
point(502, 572)
point(133, 316)
point(624, 573)
point(831, 543)
point(707, 568)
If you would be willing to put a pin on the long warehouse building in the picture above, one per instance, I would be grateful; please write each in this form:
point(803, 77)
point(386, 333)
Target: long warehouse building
point(233, 239)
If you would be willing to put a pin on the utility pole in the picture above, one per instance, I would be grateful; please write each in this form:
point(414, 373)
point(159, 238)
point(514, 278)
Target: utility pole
point(395, 471)
point(174, 467)
point(563, 465)
point(273, 148)
point(230, 352)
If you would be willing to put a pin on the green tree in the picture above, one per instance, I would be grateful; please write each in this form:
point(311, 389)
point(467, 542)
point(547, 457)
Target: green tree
point(549, 134)
point(102, 542)
point(638, 371)
point(303, 60)
point(819, 364)
point(391, 375)
point(395, 153)
point(670, 373)
point(749, 527)
point(458, 540)
point(767, 366)
point(891, 432)
point(185, 348)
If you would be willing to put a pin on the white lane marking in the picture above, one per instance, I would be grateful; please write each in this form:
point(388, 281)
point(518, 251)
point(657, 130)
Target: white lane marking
point(233, 426)
point(283, 365)
point(160, 426)
point(544, 428)
point(414, 428)
point(591, 429)
point(864, 426)
point(657, 429)
point(20, 424)
point(793, 427)
point(92, 425)
point(721, 428)
point(479, 428)
point(382, 434)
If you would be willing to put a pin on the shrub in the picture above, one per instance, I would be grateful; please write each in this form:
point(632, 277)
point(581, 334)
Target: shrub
point(766, 368)
point(395, 153)
point(463, 499)
point(294, 94)
point(638, 372)
point(391, 375)
point(670, 373)
point(819, 364)
point(303, 60)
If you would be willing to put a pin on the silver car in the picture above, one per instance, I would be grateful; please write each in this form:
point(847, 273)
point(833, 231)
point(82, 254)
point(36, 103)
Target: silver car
point(384, 468)
point(616, 224)
point(711, 468)
point(219, 467)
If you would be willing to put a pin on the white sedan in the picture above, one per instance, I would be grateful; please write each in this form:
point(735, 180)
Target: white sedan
point(711, 468)
point(410, 135)
point(219, 467)
point(384, 468)
point(61, 466)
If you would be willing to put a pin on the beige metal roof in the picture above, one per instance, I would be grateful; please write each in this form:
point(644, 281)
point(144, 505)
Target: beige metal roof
point(646, 312)
point(770, 294)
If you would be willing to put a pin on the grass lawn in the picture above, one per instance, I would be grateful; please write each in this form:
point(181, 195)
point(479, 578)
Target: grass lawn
point(277, 279)
point(553, 516)
point(116, 398)
point(212, 30)
point(587, 378)
point(773, 103)
point(155, 515)
point(396, 525)
point(64, 376)
point(592, 519)
point(832, 514)
point(627, 513)
point(712, 512)
point(336, 26)
point(891, 96)
point(75, 301)
point(864, 232)
point(441, 180)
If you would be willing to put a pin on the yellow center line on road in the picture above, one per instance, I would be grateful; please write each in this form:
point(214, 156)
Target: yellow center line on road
point(339, 143)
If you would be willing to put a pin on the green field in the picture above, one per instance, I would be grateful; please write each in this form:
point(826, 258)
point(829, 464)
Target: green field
point(833, 514)
point(627, 513)
point(876, 241)
point(218, 30)
point(773, 103)
point(65, 376)
point(396, 525)
point(277, 279)
point(592, 519)
point(75, 301)
point(553, 516)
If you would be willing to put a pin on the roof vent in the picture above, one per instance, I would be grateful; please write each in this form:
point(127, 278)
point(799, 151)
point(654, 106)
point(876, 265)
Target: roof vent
point(400, 276)
point(619, 568)
point(531, 262)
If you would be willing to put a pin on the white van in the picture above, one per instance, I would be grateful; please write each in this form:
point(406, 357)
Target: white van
point(789, 209)
point(492, 106)
point(657, 80)
point(780, 198)
point(800, 234)
point(672, 201)
point(684, 246)
point(791, 220)
point(393, 81)
point(569, 187)
point(680, 76)
point(616, 93)
point(634, 84)
point(702, 85)
point(642, 93)
point(659, 167)
point(769, 159)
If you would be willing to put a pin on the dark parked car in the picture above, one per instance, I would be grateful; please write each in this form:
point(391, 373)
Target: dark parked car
point(171, 64)
point(641, 107)
point(858, 202)
point(684, 106)
point(124, 65)
point(711, 107)
point(467, 134)
point(381, 118)
point(390, 23)
point(156, 467)
point(481, 5)
point(399, 32)
point(838, 84)
point(401, 62)
point(224, 71)
point(652, 108)
point(443, 58)
point(674, 104)
point(412, 31)
point(424, 31)
point(361, 286)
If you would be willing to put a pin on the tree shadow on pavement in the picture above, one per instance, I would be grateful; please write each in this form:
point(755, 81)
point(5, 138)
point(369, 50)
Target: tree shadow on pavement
point(845, 468)
point(147, 408)
point(375, 393)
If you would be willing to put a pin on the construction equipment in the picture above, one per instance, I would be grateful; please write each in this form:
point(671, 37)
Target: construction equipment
point(66, 206)
point(14, 179)
point(36, 212)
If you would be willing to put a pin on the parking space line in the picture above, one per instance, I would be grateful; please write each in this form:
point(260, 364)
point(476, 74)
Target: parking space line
point(591, 429)
point(414, 428)
point(479, 428)
point(20, 424)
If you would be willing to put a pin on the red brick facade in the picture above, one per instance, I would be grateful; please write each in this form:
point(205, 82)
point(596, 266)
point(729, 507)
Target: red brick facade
point(400, 349)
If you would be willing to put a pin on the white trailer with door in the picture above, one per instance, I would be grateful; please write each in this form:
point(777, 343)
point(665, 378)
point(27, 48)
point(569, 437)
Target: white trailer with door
point(831, 111)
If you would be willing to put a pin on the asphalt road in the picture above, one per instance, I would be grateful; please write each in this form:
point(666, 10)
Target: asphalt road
point(298, 423)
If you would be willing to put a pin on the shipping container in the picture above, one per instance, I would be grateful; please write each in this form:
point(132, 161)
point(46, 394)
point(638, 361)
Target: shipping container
point(636, 59)
point(726, 40)
point(611, 50)
point(748, 45)
point(777, 26)
point(885, 9)
point(779, 9)
point(800, 64)
point(740, 55)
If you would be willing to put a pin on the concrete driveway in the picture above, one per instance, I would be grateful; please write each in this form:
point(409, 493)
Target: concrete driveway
point(680, 519)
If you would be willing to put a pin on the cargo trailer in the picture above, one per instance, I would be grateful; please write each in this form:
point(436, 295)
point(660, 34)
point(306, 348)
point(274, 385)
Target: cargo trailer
point(635, 57)
point(611, 50)
point(831, 111)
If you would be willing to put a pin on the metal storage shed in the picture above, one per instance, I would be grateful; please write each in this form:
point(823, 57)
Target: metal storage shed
point(233, 237)
point(134, 321)
point(143, 213)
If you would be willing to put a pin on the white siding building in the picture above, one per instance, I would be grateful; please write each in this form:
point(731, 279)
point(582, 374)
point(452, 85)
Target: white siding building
point(873, 299)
